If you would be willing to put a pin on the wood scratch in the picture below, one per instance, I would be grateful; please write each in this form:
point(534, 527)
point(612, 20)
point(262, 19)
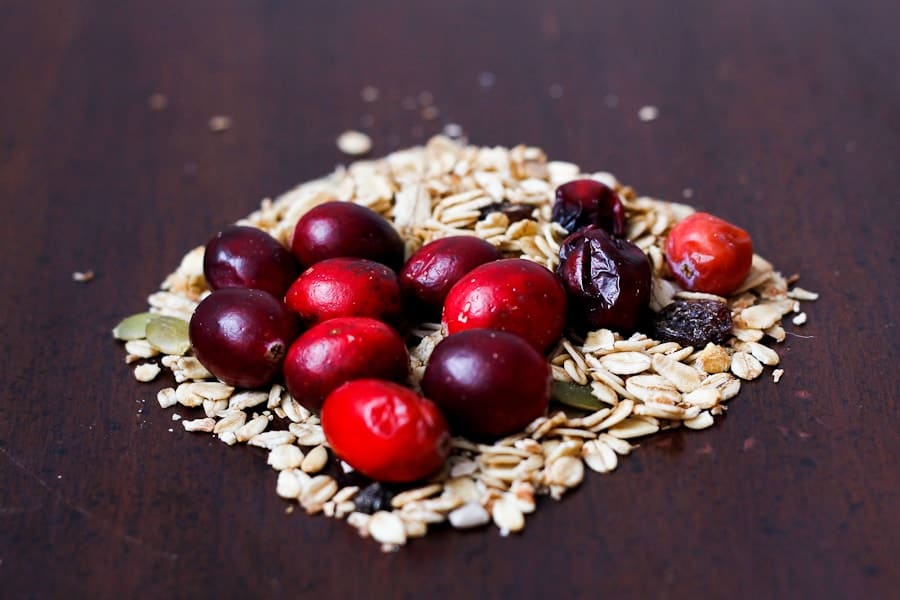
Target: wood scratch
point(104, 524)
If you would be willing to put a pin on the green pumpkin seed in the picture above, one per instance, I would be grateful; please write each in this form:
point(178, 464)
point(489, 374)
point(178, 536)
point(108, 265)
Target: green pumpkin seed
point(133, 327)
point(576, 396)
point(168, 335)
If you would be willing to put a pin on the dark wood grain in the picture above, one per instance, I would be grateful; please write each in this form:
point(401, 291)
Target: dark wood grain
point(782, 116)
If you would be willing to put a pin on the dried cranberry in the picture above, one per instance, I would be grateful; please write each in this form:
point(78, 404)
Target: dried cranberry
point(372, 498)
point(513, 211)
point(693, 323)
point(585, 203)
point(607, 280)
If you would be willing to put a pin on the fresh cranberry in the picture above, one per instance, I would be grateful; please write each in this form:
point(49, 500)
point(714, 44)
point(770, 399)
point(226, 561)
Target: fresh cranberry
point(344, 229)
point(241, 335)
point(707, 254)
point(488, 383)
point(345, 287)
point(429, 274)
point(385, 431)
point(585, 203)
point(338, 350)
point(247, 257)
point(607, 280)
point(514, 295)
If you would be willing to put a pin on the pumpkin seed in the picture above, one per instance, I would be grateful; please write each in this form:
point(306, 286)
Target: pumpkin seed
point(576, 396)
point(168, 334)
point(133, 327)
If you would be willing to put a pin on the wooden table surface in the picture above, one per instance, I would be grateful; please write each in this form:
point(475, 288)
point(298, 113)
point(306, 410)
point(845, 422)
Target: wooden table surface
point(781, 116)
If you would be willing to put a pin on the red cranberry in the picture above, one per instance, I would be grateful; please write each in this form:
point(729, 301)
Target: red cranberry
point(429, 274)
point(241, 335)
point(344, 229)
point(607, 280)
point(488, 383)
point(338, 350)
point(345, 287)
point(707, 254)
point(247, 257)
point(584, 203)
point(385, 431)
point(514, 295)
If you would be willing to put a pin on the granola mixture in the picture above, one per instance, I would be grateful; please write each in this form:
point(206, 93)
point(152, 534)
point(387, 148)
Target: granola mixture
point(626, 388)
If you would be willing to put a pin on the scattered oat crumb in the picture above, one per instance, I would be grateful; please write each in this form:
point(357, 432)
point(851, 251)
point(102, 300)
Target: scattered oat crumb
point(146, 372)
point(648, 113)
point(171, 430)
point(59, 476)
point(82, 276)
point(289, 509)
point(687, 193)
point(556, 91)
point(369, 93)
point(486, 79)
point(176, 416)
point(354, 143)
point(219, 123)
point(157, 101)
point(776, 375)
point(611, 101)
point(426, 98)
point(430, 113)
point(799, 319)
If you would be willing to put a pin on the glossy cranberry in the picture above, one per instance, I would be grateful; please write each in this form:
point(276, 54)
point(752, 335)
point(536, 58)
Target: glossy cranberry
point(241, 335)
point(385, 431)
point(345, 287)
point(247, 257)
point(707, 254)
point(339, 350)
point(345, 229)
point(585, 203)
point(428, 275)
point(488, 383)
point(514, 295)
point(607, 280)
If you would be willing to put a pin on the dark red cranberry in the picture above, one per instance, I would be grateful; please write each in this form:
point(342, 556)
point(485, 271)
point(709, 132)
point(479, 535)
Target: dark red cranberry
point(693, 323)
point(345, 229)
point(345, 287)
point(428, 275)
point(585, 203)
point(339, 350)
point(242, 335)
point(247, 257)
point(607, 280)
point(488, 383)
point(514, 295)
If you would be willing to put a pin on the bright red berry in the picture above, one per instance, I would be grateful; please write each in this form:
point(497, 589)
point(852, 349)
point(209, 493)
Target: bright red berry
point(385, 431)
point(514, 295)
point(345, 287)
point(488, 383)
point(708, 254)
point(339, 350)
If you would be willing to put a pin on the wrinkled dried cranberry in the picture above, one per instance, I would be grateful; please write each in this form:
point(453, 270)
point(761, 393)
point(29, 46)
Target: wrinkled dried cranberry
point(373, 498)
point(584, 203)
point(693, 323)
point(607, 280)
point(514, 212)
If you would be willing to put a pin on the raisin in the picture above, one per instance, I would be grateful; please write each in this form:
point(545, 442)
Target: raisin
point(373, 498)
point(693, 323)
point(514, 212)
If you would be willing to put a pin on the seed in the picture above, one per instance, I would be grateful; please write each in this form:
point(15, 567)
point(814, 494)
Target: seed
point(168, 334)
point(133, 327)
point(575, 395)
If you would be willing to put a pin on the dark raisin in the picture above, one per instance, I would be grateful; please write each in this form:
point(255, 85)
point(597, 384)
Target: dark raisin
point(585, 203)
point(514, 212)
point(373, 498)
point(693, 323)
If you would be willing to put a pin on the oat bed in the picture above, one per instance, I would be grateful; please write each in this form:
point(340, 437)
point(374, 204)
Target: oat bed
point(640, 386)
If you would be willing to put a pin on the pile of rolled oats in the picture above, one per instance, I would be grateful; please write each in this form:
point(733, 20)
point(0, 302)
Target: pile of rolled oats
point(630, 387)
